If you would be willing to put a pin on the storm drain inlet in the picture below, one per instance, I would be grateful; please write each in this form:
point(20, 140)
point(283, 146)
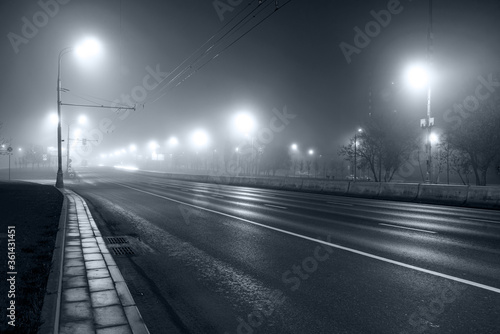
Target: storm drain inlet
point(122, 250)
point(116, 240)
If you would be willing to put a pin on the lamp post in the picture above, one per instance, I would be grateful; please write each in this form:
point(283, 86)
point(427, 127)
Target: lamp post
point(172, 142)
point(237, 150)
point(245, 124)
point(59, 179)
point(355, 152)
point(81, 120)
point(294, 149)
point(311, 153)
point(433, 139)
point(88, 47)
point(428, 122)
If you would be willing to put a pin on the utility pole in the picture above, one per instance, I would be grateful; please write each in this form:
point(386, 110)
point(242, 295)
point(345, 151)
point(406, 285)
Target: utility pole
point(428, 123)
point(355, 164)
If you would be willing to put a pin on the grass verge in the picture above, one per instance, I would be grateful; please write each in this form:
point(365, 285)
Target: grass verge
point(34, 211)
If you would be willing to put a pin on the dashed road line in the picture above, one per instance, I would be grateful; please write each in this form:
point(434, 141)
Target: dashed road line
point(408, 228)
point(481, 220)
point(340, 203)
point(275, 206)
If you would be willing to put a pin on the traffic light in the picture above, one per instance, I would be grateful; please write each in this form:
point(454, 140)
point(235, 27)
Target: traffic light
point(84, 141)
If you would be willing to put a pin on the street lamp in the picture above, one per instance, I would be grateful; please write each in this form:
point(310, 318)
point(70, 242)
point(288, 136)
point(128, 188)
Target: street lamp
point(86, 48)
point(173, 141)
point(424, 76)
point(81, 120)
point(355, 151)
point(200, 138)
point(295, 149)
point(310, 163)
point(237, 150)
point(245, 124)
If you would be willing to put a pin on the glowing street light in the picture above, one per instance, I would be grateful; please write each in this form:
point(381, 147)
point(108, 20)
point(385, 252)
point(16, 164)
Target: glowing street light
point(417, 76)
point(310, 152)
point(200, 138)
point(173, 141)
point(88, 47)
point(294, 147)
point(153, 145)
point(434, 138)
point(132, 148)
point(244, 123)
point(54, 119)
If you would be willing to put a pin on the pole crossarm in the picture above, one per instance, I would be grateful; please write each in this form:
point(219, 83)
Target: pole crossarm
point(97, 106)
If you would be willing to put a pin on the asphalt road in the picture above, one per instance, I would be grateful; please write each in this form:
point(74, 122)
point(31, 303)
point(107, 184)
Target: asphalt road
point(221, 259)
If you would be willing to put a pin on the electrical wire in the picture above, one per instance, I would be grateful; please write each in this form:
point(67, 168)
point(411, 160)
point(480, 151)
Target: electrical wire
point(213, 46)
point(199, 48)
point(224, 49)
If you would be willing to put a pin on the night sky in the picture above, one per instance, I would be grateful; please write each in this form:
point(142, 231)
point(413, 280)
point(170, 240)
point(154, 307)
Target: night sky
point(291, 59)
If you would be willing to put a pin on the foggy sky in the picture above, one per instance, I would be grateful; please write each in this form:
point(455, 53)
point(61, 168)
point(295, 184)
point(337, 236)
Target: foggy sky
point(292, 59)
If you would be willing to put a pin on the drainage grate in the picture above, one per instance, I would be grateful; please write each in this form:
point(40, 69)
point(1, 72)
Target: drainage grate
point(116, 240)
point(122, 250)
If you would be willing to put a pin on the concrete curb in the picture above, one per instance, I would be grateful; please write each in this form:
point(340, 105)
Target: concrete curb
point(54, 304)
point(52, 301)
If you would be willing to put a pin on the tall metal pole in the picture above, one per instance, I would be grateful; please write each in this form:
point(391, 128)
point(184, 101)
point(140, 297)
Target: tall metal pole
point(67, 153)
point(448, 164)
point(9, 165)
point(430, 120)
point(59, 179)
point(355, 141)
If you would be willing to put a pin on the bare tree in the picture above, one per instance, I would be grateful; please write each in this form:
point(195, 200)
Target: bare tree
point(383, 147)
point(274, 157)
point(477, 139)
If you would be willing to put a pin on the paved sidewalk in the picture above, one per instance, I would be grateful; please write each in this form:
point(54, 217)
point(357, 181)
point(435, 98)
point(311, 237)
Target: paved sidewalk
point(95, 298)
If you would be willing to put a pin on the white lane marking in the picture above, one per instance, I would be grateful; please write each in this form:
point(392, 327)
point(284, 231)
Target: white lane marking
point(218, 196)
point(407, 228)
point(275, 206)
point(355, 251)
point(481, 220)
point(339, 203)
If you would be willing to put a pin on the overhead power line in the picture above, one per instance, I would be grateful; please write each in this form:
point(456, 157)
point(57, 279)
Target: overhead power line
point(168, 87)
